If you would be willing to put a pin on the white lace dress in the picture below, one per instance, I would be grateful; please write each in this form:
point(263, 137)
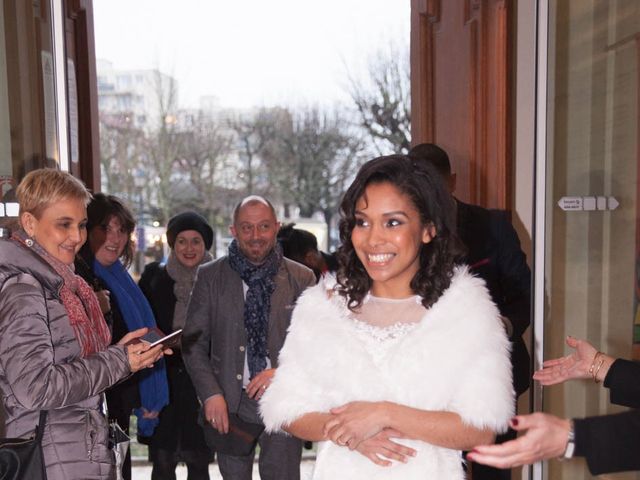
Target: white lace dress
point(382, 322)
point(452, 357)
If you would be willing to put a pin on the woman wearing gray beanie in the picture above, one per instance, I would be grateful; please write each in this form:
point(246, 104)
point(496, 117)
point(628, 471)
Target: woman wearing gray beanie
point(178, 437)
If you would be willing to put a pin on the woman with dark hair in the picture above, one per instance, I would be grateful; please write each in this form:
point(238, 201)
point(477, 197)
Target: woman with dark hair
point(103, 262)
point(168, 286)
point(404, 363)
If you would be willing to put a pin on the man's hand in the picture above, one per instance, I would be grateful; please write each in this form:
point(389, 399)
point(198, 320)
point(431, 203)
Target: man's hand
point(260, 383)
point(215, 412)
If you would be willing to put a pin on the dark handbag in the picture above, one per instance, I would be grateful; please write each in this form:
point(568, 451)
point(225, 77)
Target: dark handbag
point(21, 458)
point(239, 442)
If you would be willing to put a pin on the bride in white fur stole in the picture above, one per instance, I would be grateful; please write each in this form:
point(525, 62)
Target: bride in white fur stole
point(404, 363)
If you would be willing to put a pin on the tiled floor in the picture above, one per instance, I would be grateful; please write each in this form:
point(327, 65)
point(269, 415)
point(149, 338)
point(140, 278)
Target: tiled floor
point(143, 472)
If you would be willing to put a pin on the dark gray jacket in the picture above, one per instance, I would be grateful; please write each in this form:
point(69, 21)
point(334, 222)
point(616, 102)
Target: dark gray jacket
point(41, 369)
point(214, 338)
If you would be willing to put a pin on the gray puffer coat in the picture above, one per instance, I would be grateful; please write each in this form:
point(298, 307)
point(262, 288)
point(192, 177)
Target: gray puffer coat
point(41, 369)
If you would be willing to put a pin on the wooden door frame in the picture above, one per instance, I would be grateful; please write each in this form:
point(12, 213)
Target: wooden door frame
point(490, 164)
point(78, 18)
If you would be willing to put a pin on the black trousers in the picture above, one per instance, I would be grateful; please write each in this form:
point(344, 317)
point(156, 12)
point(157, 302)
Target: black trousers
point(165, 463)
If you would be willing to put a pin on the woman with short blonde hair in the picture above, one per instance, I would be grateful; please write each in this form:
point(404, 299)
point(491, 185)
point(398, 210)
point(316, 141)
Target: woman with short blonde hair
point(40, 188)
point(54, 343)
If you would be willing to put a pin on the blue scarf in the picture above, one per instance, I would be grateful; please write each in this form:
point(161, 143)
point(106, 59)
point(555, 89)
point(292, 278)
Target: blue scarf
point(261, 282)
point(135, 309)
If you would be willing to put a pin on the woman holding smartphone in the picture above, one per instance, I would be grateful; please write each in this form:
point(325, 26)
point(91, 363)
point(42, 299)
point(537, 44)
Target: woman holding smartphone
point(56, 352)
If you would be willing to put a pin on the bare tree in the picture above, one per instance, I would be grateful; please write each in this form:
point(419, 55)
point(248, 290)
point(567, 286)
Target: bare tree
point(255, 134)
point(121, 147)
point(301, 158)
point(164, 146)
point(314, 160)
point(206, 147)
point(382, 100)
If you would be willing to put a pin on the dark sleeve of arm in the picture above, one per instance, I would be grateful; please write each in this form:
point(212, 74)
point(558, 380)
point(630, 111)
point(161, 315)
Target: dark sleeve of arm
point(145, 284)
point(27, 356)
point(145, 278)
point(609, 443)
point(515, 276)
point(623, 380)
point(150, 272)
point(196, 337)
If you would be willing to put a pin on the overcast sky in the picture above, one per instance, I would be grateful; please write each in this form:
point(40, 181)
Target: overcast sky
point(250, 52)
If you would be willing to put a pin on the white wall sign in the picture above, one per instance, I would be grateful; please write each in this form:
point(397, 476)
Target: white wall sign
point(588, 203)
point(570, 203)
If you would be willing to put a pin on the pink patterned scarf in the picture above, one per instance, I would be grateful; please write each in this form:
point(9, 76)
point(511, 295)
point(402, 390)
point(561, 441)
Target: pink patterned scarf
point(78, 299)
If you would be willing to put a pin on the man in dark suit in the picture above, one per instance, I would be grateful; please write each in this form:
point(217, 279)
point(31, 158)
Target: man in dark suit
point(237, 319)
point(494, 254)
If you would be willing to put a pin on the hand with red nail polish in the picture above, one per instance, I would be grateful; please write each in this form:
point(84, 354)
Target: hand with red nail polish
point(545, 437)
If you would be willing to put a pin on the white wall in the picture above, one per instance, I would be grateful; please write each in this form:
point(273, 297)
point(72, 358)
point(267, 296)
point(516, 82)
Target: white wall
point(525, 123)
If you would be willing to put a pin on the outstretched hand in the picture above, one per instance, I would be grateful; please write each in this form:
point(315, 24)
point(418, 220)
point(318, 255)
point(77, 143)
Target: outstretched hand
point(573, 366)
point(546, 437)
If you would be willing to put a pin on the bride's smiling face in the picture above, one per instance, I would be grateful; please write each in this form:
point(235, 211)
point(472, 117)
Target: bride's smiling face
point(387, 237)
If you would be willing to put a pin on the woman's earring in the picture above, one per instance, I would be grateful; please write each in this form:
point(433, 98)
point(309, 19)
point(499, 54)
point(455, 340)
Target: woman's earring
point(29, 242)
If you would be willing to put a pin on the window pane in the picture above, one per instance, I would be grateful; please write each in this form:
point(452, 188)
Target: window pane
point(27, 97)
point(592, 155)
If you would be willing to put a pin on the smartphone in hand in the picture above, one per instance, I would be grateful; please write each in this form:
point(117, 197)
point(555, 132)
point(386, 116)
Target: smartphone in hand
point(155, 336)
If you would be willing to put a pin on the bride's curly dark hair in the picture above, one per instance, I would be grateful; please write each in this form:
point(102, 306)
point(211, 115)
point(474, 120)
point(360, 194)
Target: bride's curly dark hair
point(426, 188)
